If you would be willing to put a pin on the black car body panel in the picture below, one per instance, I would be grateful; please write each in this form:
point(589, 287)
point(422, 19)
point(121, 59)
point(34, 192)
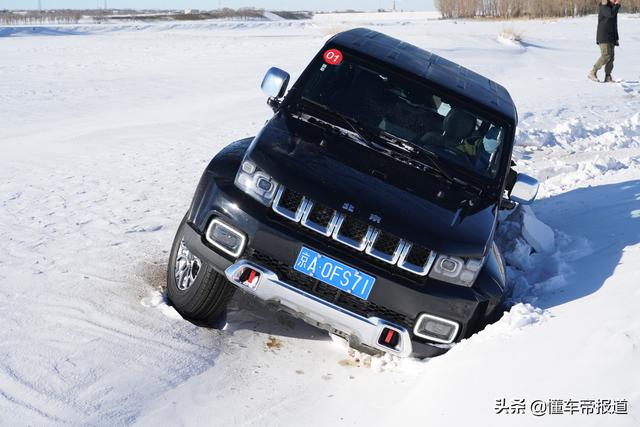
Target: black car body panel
point(352, 178)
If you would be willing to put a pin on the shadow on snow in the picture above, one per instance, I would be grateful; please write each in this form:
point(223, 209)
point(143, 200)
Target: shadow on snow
point(608, 217)
point(38, 31)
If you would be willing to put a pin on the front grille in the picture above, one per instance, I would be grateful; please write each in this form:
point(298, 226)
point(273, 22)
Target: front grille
point(329, 293)
point(352, 232)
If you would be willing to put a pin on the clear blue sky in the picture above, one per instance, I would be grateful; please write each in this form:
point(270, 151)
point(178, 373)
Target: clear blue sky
point(213, 4)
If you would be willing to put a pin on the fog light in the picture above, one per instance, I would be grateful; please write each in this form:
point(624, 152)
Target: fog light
point(226, 238)
point(436, 329)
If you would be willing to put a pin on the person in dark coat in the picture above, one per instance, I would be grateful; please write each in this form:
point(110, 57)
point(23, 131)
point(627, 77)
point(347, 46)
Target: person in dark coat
point(607, 38)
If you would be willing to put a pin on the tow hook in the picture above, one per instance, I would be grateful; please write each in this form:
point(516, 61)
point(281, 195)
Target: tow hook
point(389, 338)
point(248, 277)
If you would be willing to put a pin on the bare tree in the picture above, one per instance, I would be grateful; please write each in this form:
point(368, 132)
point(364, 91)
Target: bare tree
point(40, 17)
point(524, 8)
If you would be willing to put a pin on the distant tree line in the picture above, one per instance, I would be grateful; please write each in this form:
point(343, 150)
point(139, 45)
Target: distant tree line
point(524, 8)
point(287, 14)
point(226, 13)
point(8, 17)
point(38, 18)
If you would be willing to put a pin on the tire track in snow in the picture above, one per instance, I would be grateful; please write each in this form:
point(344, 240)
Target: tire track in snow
point(21, 409)
point(100, 353)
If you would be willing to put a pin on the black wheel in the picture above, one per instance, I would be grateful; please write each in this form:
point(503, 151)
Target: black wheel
point(196, 290)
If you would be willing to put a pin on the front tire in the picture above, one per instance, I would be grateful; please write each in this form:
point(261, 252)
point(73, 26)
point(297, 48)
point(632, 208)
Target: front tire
point(197, 291)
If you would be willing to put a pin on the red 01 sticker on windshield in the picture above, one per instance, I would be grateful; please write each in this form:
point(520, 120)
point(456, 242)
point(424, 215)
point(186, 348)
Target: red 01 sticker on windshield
point(333, 57)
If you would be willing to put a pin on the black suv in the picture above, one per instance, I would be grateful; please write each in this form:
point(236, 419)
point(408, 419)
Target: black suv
point(366, 206)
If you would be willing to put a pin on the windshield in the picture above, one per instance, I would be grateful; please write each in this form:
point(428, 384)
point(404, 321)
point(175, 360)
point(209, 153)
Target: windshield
point(392, 107)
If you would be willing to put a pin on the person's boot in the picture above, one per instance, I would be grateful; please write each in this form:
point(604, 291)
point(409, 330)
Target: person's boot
point(593, 76)
point(608, 79)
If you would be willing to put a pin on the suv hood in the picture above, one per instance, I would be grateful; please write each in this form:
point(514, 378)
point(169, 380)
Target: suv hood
point(348, 176)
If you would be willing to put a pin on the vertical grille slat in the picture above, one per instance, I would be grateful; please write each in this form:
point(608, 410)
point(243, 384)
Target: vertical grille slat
point(321, 215)
point(385, 247)
point(320, 218)
point(418, 255)
point(352, 232)
point(289, 203)
point(386, 243)
point(417, 259)
point(291, 200)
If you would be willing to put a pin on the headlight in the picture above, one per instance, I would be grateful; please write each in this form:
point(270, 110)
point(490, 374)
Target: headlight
point(456, 270)
point(255, 182)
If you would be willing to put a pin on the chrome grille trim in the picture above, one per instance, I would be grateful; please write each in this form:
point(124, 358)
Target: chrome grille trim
point(416, 269)
point(367, 244)
point(293, 216)
point(391, 259)
point(325, 231)
point(359, 246)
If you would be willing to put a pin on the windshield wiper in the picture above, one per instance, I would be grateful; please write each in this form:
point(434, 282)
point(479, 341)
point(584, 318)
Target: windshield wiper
point(428, 154)
point(352, 123)
point(412, 148)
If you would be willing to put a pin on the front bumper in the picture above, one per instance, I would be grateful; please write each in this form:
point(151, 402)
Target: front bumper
point(396, 301)
point(357, 329)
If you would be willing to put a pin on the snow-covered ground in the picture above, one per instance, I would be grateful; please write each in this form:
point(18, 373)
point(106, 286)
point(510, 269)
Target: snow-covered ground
point(104, 131)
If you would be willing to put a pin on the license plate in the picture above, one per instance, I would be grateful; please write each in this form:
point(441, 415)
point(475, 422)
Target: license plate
point(334, 273)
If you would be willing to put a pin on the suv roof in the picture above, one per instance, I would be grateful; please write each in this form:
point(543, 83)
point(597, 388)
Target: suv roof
point(431, 67)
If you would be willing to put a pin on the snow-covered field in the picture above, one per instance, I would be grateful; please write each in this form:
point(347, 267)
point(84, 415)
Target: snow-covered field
point(104, 131)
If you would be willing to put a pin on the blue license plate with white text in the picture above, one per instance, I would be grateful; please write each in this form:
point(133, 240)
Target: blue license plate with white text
point(334, 273)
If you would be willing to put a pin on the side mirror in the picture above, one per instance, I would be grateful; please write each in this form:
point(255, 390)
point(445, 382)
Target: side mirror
point(524, 190)
point(275, 83)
